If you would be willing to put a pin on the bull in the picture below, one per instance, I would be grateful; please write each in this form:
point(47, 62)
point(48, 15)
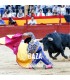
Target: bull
point(56, 43)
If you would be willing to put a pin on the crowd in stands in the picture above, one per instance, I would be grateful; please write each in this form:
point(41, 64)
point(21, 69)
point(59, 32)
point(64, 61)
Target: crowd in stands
point(12, 11)
point(34, 10)
point(45, 10)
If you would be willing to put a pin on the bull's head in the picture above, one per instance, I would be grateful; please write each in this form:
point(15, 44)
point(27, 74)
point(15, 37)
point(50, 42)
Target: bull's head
point(45, 42)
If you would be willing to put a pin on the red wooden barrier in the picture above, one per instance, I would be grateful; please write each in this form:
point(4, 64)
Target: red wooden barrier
point(39, 30)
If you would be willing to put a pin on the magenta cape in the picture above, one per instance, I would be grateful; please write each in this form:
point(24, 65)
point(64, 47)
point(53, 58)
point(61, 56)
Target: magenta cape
point(13, 42)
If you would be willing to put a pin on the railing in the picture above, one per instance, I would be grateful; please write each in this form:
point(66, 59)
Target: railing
point(42, 20)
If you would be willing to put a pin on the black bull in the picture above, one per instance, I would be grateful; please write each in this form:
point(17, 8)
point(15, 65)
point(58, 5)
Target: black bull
point(56, 43)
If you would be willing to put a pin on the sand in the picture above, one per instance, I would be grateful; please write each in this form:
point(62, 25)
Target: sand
point(9, 66)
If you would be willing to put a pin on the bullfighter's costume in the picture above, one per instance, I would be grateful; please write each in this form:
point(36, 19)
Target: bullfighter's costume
point(35, 47)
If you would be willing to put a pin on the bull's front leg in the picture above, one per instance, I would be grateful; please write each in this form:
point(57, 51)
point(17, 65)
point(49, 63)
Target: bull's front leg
point(50, 54)
point(57, 54)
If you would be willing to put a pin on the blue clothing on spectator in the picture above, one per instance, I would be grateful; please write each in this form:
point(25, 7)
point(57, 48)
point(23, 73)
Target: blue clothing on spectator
point(1, 11)
point(2, 22)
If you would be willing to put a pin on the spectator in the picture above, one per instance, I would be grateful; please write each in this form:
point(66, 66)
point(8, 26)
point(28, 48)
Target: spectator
point(11, 14)
point(49, 13)
point(49, 7)
point(10, 8)
point(40, 13)
point(1, 21)
point(63, 10)
point(68, 9)
point(22, 7)
point(17, 7)
point(5, 15)
point(59, 10)
point(45, 10)
point(20, 14)
point(11, 21)
point(32, 13)
point(54, 10)
point(38, 7)
point(42, 6)
point(32, 21)
point(2, 8)
point(31, 7)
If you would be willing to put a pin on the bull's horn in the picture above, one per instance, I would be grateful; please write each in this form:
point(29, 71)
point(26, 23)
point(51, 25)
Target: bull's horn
point(40, 40)
point(50, 39)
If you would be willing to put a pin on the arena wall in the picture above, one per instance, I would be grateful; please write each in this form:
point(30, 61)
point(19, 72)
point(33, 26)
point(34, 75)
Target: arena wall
point(39, 30)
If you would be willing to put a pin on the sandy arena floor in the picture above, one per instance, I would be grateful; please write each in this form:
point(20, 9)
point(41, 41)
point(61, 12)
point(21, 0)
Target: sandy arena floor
point(8, 64)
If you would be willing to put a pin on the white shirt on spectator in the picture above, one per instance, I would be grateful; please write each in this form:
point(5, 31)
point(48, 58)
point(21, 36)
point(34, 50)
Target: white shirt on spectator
point(63, 10)
point(11, 14)
point(5, 16)
point(58, 10)
point(49, 14)
point(32, 22)
point(42, 14)
point(54, 8)
point(38, 7)
point(20, 15)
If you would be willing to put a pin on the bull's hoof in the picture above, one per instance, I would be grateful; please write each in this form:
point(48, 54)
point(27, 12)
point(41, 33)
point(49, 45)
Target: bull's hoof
point(54, 58)
point(66, 57)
